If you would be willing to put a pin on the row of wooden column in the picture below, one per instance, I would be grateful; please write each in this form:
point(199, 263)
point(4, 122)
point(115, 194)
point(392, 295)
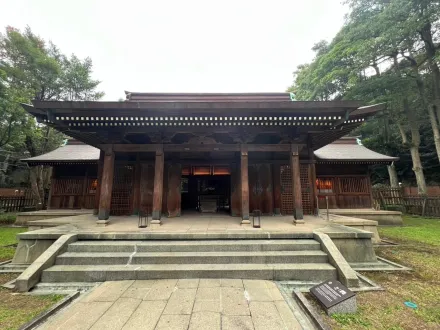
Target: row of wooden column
point(105, 185)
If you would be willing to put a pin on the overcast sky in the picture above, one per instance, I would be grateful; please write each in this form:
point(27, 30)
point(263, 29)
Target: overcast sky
point(186, 45)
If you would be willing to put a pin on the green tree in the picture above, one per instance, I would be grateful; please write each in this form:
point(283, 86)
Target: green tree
point(386, 52)
point(33, 69)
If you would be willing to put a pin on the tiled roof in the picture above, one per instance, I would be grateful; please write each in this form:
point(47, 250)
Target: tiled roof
point(68, 153)
point(350, 152)
point(339, 151)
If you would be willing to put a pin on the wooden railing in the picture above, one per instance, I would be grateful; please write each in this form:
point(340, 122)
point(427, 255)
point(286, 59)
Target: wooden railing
point(17, 203)
point(390, 198)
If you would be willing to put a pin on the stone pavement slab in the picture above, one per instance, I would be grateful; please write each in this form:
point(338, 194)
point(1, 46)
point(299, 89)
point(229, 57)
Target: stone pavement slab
point(187, 304)
point(173, 322)
point(117, 315)
point(108, 291)
point(230, 322)
point(205, 321)
point(146, 316)
point(181, 302)
point(161, 290)
point(265, 316)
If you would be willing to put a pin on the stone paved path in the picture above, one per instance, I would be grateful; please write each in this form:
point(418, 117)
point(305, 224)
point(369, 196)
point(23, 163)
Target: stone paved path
point(191, 304)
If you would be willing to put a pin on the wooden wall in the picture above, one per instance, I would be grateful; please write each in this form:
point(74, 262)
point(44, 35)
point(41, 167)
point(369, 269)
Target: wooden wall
point(73, 187)
point(260, 188)
point(346, 186)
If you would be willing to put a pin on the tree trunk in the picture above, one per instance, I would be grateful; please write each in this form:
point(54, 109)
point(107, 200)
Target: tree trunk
point(4, 169)
point(435, 130)
point(413, 147)
point(394, 181)
point(33, 176)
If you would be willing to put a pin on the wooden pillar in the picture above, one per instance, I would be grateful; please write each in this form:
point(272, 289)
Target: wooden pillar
point(84, 188)
point(314, 188)
point(235, 202)
point(99, 179)
point(174, 196)
point(52, 180)
point(276, 170)
point(312, 176)
point(105, 197)
point(296, 185)
point(158, 187)
point(244, 163)
point(146, 188)
point(137, 186)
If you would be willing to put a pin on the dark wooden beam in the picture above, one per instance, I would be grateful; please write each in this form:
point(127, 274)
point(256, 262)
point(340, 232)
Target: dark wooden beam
point(296, 184)
point(244, 184)
point(158, 187)
point(195, 147)
point(106, 187)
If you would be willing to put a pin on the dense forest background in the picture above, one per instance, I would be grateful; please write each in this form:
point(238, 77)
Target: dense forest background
point(31, 68)
point(386, 52)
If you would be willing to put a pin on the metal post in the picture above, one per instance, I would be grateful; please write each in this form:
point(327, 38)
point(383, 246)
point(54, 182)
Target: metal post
point(326, 201)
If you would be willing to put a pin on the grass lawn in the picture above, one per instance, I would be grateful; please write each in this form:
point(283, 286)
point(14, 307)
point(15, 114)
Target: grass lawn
point(419, 249)
point(8, 237)
point(17, 309)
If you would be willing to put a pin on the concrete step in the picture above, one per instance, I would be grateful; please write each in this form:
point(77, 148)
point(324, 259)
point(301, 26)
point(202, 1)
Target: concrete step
point(100, 273)
point(195, 246)
point(242, 257)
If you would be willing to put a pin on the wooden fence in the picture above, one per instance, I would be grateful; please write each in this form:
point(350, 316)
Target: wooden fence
point(17, 203)
point(394, 198)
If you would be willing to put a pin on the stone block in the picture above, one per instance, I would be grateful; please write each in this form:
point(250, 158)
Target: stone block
point(287, 316)
point(265, 316)
point(209, 282)
point(207, 306)
point(181, 302)
point(205, 321)
point(346, 274)
point(232, 283)
point(161, 290)
point(188, 283)
point(117, 315)
point(173, 322)
point(347, 306)
point(147, 310)
point(211, 293)
point(32, 274)
point(108, 291)
point(234, 302)
point(230, 322)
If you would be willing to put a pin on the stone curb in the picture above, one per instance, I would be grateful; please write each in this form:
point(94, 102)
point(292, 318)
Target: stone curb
point(346, 274)
point(5, 262)
point(32, 274)
point(309, 310)
point(40, 318)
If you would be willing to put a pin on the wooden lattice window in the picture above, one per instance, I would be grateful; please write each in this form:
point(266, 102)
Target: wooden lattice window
point(286, 190)
point(122, 190)
point(354, 185)
point(306, 189)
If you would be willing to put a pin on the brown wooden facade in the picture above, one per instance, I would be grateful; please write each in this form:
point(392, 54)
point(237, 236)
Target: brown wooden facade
point(166, 153)
point(270, 187)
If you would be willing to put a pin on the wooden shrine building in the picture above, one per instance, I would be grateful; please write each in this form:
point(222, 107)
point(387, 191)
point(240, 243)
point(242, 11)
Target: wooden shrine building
point(167, 154)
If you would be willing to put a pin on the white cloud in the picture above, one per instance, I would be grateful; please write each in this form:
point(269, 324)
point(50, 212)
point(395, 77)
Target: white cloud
point(183, 46)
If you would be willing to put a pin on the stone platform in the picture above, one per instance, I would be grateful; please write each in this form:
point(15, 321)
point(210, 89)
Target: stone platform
point(384, 218)
point(24, 217)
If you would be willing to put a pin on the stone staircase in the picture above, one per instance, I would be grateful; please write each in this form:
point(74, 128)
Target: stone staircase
point(274, 259)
